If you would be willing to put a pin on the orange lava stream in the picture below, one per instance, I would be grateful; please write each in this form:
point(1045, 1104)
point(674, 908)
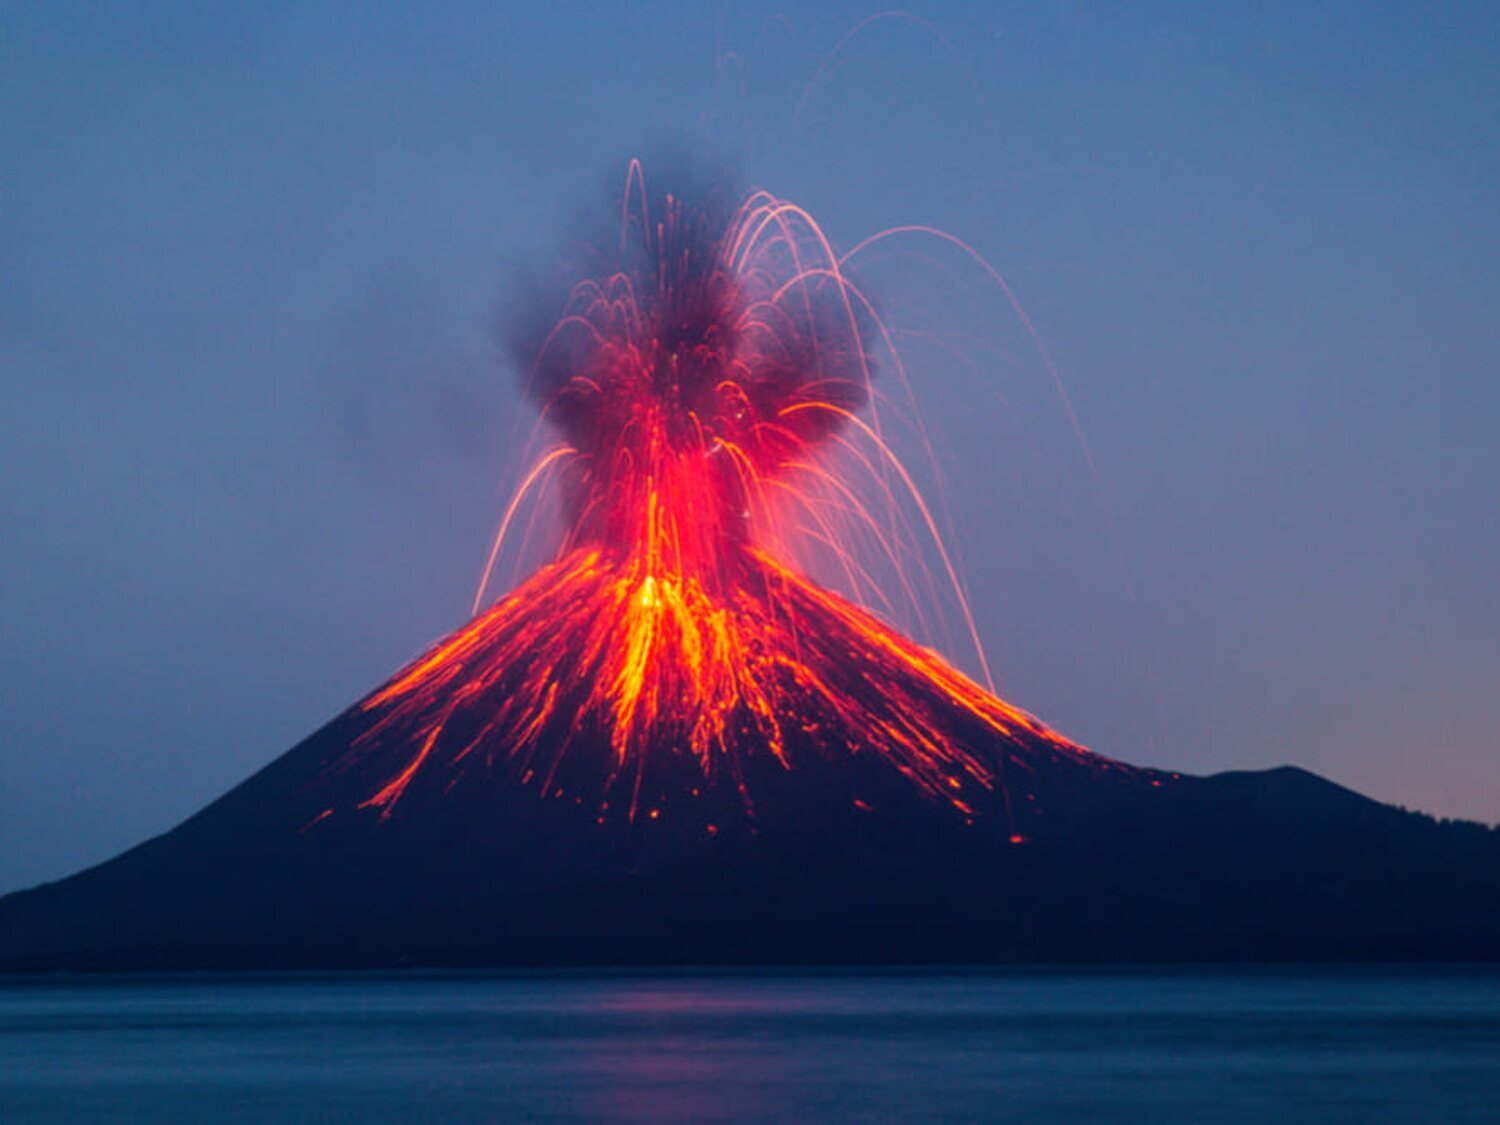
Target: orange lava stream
point(665, 664)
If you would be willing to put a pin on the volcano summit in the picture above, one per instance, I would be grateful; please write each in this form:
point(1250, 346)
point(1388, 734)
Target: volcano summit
point(670, 745)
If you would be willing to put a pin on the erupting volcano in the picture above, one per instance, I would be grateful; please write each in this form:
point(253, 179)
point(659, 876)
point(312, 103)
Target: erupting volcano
point(697, 734)
point(705, 379)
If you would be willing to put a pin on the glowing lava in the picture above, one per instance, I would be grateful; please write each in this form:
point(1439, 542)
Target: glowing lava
point(706, 375)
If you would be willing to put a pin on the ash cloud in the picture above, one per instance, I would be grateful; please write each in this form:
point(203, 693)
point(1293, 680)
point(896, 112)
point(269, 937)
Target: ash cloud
point(692, 317)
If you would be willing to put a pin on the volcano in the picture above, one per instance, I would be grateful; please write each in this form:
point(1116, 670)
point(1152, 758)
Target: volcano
point(671, 745)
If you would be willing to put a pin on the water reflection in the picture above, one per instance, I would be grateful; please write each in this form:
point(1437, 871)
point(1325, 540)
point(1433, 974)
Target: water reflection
point(1124, 1047)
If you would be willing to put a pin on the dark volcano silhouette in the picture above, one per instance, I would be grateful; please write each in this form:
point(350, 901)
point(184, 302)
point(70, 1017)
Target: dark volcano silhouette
point(837, 858)
point(669, 747)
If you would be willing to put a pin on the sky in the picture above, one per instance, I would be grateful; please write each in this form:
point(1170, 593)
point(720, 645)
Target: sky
point(256, 429)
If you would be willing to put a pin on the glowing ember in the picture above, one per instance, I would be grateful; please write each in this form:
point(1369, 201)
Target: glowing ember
point(706, 379)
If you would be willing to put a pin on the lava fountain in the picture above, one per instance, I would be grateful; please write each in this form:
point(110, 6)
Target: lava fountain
point(706, 382)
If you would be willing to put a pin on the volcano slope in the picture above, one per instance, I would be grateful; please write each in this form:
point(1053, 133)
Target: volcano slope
point(827, 793)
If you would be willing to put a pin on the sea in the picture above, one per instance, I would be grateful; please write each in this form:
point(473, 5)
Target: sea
point(1283, 1045)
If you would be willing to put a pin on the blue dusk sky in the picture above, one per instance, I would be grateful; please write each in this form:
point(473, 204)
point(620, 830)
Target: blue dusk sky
point(256, 429)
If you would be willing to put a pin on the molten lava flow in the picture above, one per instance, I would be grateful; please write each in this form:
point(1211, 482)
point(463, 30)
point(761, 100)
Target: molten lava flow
point(707, 378)
point(599, 643)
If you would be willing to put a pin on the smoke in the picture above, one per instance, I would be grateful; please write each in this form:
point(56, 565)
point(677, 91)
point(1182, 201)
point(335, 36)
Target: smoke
point(685, 312)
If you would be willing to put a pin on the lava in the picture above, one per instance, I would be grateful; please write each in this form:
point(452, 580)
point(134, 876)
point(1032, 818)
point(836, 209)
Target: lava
point(707, 381)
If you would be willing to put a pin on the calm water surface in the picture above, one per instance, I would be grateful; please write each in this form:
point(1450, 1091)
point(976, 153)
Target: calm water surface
point(1287, 1046)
